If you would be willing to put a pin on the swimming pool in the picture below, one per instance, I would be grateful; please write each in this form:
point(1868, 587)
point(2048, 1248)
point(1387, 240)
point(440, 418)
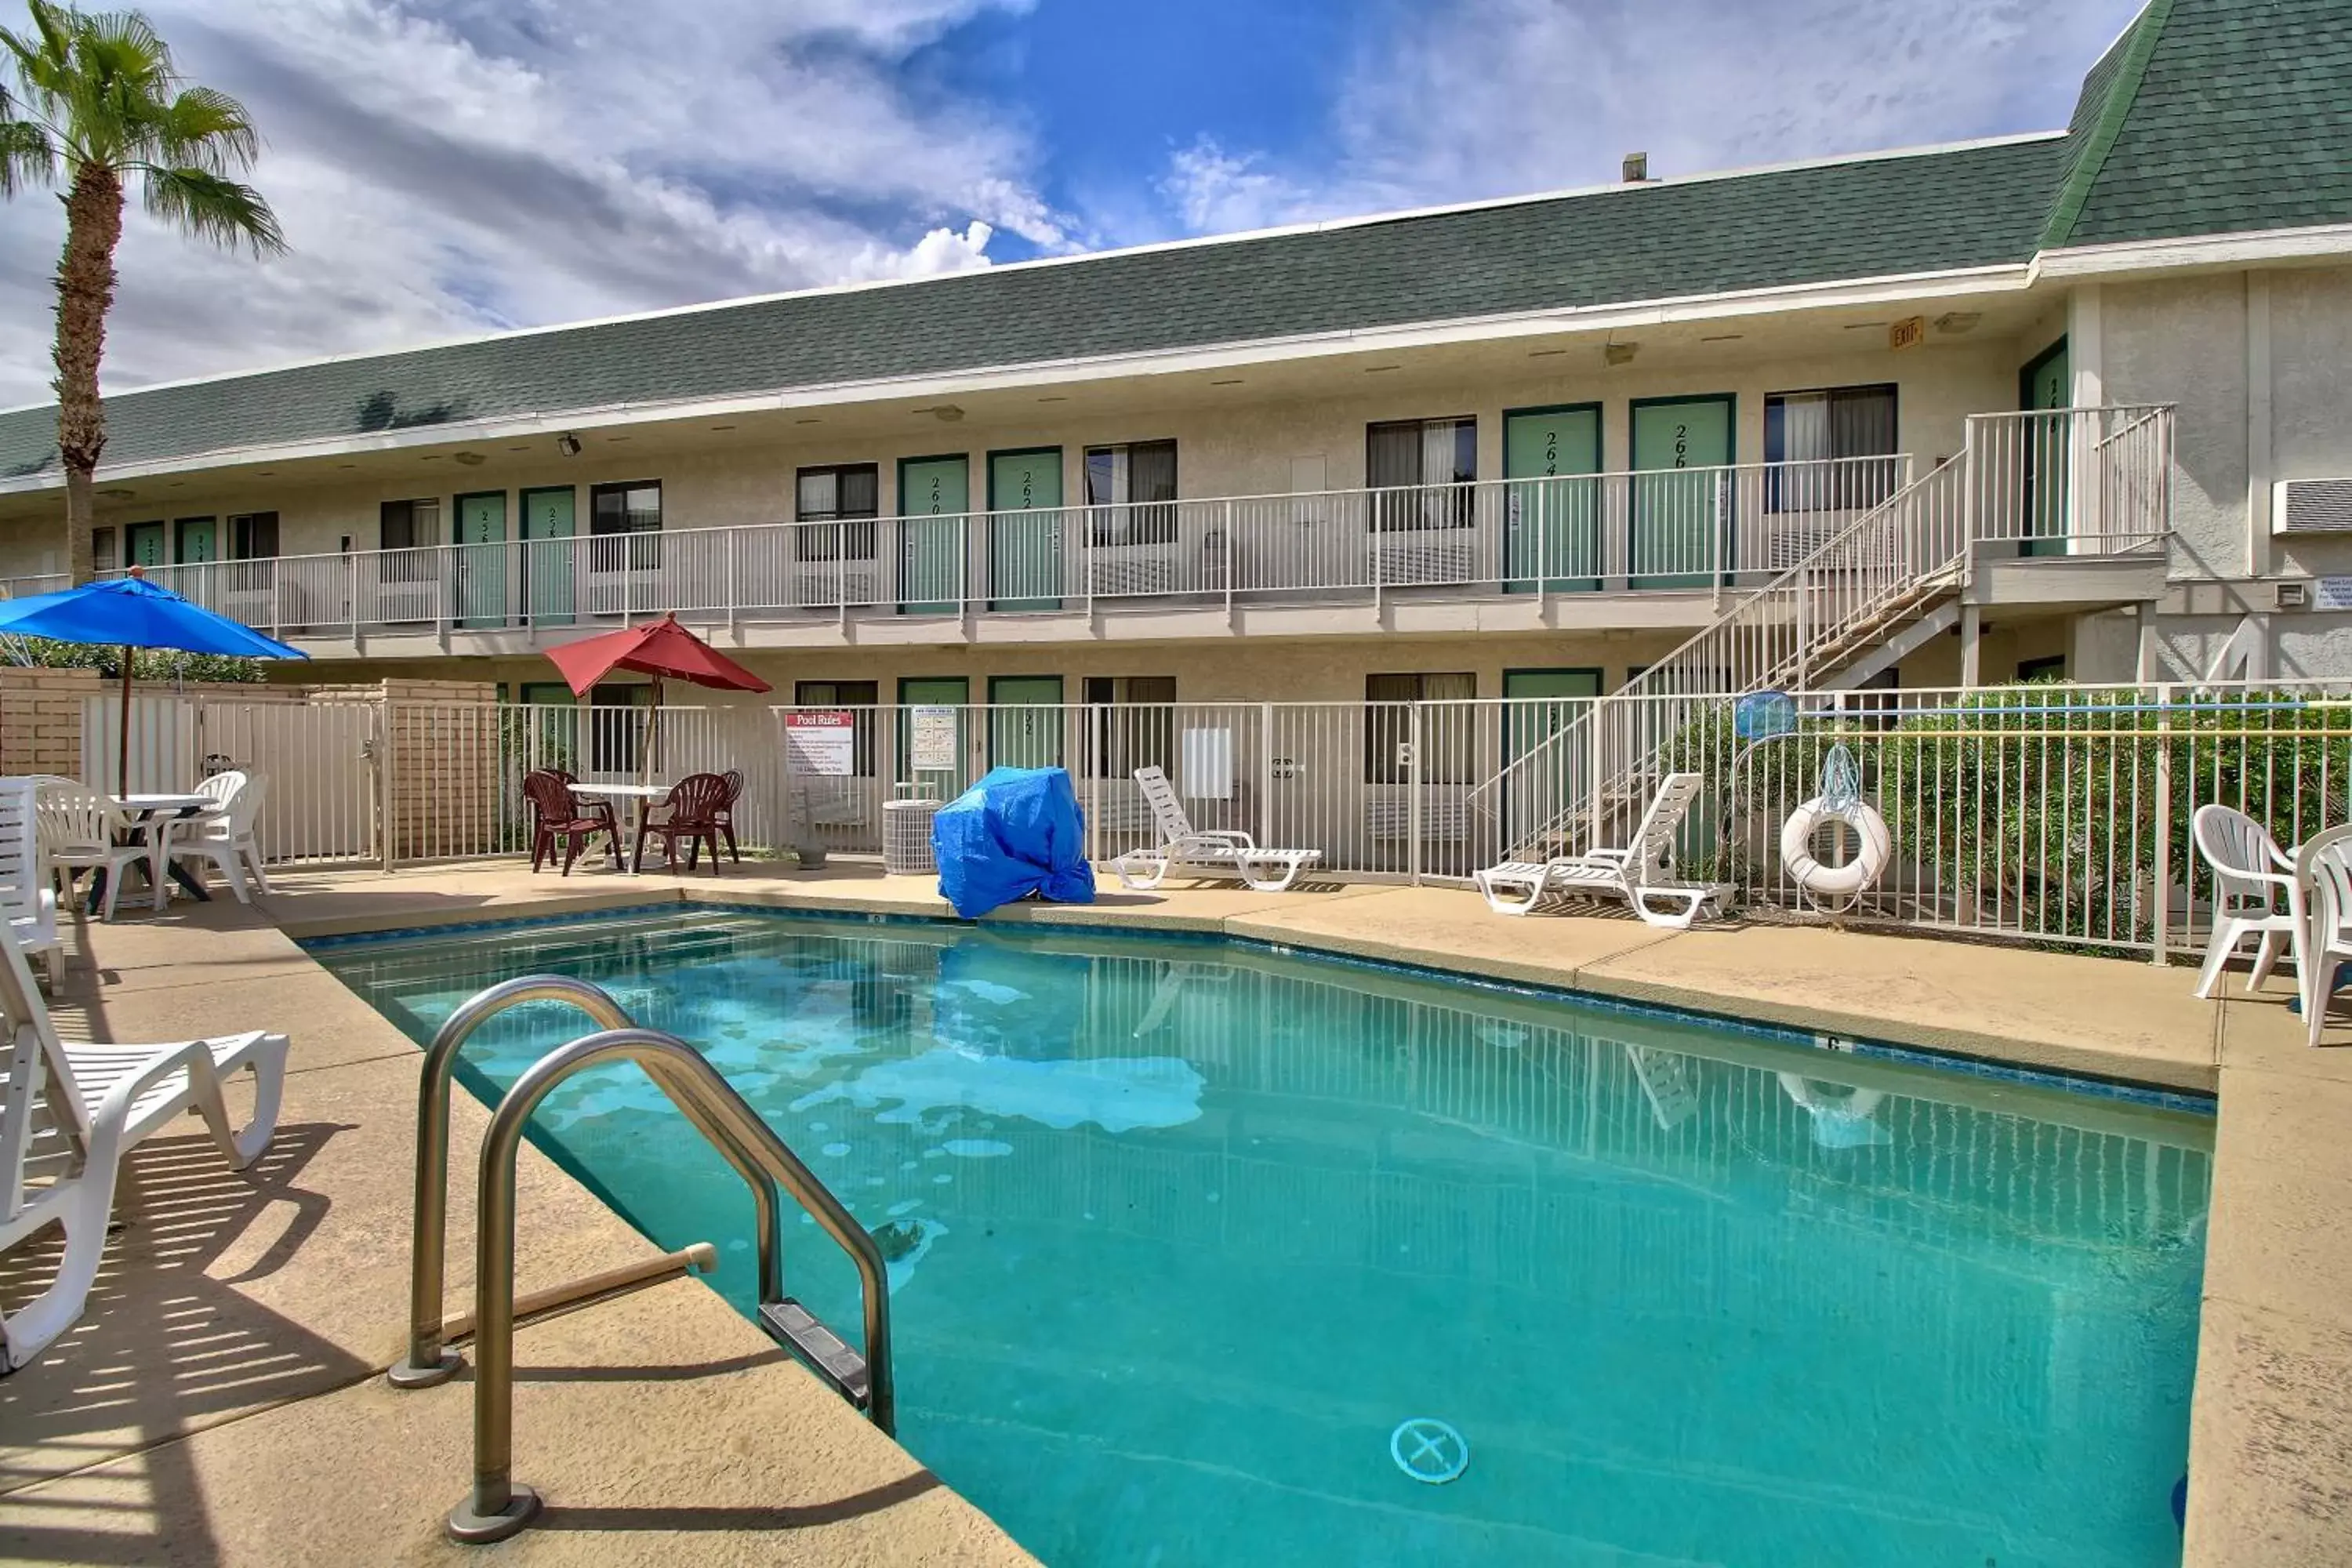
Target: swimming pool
point(1184, 1231)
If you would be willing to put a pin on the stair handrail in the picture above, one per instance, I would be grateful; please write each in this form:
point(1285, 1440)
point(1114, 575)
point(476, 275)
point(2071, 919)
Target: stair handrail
point(1836, 544)
point(1910, 563)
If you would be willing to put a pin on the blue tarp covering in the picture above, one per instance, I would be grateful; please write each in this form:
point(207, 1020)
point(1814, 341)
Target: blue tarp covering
point(1015, 832)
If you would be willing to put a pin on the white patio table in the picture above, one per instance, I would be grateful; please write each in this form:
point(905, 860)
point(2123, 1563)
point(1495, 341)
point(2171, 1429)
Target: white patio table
point(642, 796)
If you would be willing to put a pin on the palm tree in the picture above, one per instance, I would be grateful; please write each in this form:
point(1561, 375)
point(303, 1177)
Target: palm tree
point(99, 103)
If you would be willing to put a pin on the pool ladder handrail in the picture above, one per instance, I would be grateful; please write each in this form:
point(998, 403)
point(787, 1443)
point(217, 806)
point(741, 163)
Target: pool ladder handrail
point(497, 1506)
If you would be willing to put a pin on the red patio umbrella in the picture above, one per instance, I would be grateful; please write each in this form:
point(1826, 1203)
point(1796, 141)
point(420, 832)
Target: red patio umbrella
point(662, 649)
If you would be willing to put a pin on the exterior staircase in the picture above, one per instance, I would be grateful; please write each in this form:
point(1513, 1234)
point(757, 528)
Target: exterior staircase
point(1878, 589)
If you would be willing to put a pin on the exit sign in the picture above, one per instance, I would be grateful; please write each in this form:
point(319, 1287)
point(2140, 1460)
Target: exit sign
point(1907, 334)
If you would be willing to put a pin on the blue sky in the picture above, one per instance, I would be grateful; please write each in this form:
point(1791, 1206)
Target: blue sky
point(448, 167)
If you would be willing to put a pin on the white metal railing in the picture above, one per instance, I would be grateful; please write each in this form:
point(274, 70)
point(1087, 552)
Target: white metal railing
point(320, 802)
point(1672, 529)
point(2069, 482)
point(2047, 813)
point(25, 587)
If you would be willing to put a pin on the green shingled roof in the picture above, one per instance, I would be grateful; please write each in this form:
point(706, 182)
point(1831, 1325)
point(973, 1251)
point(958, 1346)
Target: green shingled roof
point(2207, 116)
point(2214, 117)
point(1899, 215)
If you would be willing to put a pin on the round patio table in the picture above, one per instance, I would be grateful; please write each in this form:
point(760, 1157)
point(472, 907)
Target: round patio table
point(151, 815)
point(643, 795)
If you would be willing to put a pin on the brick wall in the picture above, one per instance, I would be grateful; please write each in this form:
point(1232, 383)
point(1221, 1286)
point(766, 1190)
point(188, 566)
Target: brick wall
point(40, 718)
point(444, 781)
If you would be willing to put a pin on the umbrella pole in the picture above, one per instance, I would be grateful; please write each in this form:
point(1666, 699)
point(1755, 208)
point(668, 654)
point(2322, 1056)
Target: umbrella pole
point(653, 737)
point(122, 752)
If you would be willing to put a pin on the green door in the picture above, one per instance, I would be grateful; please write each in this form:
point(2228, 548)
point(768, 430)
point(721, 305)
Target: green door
point(932, 715)
point(548, 523)
point(1552, 520)
point(1024, 529)
point(934, 493)
point(1681, 520)
point(1542, 784)
point(1024, 721)
point(199, 539)
point(2047, 383)
point(142, 545)
point(481, 533)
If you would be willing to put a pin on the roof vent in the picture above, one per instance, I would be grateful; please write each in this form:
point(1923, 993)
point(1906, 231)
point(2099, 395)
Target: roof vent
point(1635, 170)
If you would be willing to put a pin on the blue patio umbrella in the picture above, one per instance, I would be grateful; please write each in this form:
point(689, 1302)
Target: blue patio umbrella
point(130, 612)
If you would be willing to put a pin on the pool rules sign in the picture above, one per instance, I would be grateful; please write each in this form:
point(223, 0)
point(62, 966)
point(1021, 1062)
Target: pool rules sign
point(823, 744)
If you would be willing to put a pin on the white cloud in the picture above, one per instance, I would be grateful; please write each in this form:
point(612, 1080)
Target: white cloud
point(1456, 99)
point(449, 166)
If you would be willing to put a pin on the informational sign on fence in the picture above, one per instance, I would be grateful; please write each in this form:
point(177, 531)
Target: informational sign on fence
point(823, 744)
point(931, 740)
point(2331, 593)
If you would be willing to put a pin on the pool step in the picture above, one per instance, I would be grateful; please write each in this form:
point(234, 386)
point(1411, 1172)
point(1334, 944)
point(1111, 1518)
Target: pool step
point(821, 1350)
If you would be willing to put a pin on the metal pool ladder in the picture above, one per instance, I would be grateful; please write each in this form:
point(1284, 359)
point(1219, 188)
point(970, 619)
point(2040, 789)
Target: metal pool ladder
point(499, 1506)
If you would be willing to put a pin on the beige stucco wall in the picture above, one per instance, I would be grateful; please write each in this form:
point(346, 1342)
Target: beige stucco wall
point(1247, 449)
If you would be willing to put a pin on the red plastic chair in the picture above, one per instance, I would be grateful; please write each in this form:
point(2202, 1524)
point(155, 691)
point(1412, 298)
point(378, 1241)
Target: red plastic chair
point(691, 818)
point(724, 818)
point(556, 815)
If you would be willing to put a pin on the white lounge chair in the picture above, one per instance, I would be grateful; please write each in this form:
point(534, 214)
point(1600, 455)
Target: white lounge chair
point(28, 903)
point(81, 828)
point(2323, 879)
point(1183, 850)
point(106, 1099)
point(2252, 878)
point(225, 836)
point(1640, 873)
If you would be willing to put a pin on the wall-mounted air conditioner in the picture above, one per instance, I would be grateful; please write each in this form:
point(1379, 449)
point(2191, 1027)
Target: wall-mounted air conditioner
point(2312, 506)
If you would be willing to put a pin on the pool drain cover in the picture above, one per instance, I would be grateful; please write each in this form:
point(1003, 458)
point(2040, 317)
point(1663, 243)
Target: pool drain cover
point(1429, 1450)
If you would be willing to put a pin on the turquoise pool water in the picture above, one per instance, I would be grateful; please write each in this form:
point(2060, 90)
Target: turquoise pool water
point(1185, 1231)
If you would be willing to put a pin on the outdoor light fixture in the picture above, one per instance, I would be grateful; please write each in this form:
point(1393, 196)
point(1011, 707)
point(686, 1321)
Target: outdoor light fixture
point(116, 495)
point(470, 460)
point(568, 444)
point(947, 414)
point(1957, 321)
point(1619, 353)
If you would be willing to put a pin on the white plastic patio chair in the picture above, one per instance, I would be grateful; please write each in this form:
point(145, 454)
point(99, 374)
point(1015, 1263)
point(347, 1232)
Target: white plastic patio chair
point(1220, 854)
point(28, 903)
point(2322, 875)
point(1640, 873)
point(80, 827)
point(106, 1099)
point(2252, 877)
point(224, 836)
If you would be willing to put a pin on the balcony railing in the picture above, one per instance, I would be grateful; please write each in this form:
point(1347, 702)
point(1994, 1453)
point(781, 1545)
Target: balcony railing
point(1671, 529)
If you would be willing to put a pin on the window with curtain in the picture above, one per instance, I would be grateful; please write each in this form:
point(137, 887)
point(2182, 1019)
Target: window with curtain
point(253, 536)
point(616, 716)
point(409, 525)
point(1425, 468)
point(846, 494)
point(1447, 740)
point(1806, 432)
point(631, 510)
point(101, 550)
point(1136, 482)
point(1138, 728)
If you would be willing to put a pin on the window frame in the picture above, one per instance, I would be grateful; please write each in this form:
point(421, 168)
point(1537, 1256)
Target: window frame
point(1425, 503)
point(1863, 487)
point(864, 715)
point(855, 537)
point(1113, 524)
point(1381, 736)
point(643, 551)
point(1144, 739)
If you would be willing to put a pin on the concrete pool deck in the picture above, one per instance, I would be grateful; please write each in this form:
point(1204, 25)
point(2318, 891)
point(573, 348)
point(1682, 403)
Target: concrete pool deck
point(221, 1400)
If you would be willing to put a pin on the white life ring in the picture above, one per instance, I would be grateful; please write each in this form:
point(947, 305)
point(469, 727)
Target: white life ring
point(1863, 870)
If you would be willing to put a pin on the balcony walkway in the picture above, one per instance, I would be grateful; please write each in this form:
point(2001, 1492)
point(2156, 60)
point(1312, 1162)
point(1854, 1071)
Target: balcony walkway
point(661, 1422)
